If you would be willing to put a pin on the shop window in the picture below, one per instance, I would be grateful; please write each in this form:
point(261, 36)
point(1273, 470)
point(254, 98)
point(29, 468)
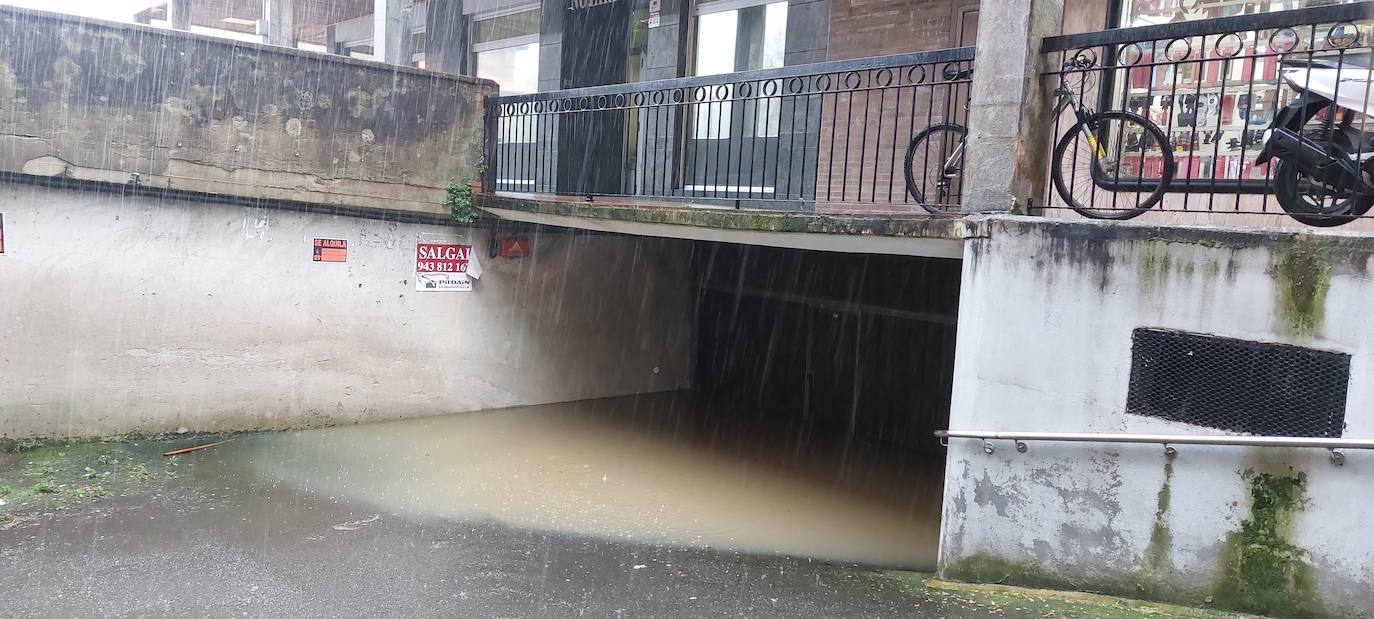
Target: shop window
point(1214, 107)
point(1150, 12)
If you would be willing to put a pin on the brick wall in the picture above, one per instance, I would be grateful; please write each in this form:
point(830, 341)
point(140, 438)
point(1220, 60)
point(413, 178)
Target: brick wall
point(860, 28)
point(864, 135)
point(863, 140)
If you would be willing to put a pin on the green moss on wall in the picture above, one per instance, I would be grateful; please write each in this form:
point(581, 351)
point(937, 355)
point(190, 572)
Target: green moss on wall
point(1161, 538)
point(1301, 277)
point(1261, 570)
point(1155, 263)
point(987, 568)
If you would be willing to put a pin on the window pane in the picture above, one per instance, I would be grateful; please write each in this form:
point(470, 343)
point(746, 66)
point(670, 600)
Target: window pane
point(739, 40)
point(716, 34)
point(506, 27)
point(516, 69)
point(716, 42)
point(774, 35)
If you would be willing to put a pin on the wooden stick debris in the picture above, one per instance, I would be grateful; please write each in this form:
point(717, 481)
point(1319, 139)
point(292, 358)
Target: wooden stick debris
point(177, 452)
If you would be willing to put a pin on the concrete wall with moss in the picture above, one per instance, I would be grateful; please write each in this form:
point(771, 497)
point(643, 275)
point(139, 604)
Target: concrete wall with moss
point(124, 103)
point(122, 314)
point(1045, 326)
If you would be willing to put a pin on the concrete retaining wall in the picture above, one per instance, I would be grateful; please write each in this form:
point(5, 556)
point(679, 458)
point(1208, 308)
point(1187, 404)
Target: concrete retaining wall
point(121, 314)
point(125, 103)
point(1045, 327)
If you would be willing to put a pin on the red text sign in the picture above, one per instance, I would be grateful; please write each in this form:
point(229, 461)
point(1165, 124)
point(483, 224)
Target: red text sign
point(331, 250)
point(442, 258)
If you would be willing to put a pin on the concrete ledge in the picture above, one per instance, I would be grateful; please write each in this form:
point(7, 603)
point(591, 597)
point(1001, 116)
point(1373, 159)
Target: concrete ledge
point(1086, 239)
point(938, 237)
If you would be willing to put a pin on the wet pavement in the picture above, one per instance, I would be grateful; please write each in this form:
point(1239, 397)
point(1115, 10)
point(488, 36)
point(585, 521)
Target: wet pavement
point(282, 554)
point(620, 508)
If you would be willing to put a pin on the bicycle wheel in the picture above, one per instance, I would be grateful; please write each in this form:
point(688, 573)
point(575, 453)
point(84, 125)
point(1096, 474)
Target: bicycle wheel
point(1116, 165)
point(1313, 203)
point(935, 167)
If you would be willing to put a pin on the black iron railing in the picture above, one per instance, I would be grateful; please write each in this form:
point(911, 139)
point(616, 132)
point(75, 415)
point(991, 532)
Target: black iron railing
point(1185, 108)
point(833, 134)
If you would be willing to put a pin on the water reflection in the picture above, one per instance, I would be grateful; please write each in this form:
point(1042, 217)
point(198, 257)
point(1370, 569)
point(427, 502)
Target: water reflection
point(657, 469)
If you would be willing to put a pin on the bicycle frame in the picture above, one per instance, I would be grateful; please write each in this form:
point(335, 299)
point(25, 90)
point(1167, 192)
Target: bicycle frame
point(950, 170)
point(1081, 112)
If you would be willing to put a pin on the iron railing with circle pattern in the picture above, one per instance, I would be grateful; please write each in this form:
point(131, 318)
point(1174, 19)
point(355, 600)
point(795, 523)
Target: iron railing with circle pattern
point(1213, 86)
point(828, 134)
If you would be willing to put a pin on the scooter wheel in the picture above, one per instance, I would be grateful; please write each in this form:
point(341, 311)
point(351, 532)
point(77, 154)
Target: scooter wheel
point(1315, 210)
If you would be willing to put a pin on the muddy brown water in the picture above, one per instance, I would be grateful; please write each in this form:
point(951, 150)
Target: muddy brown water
point(660, 469)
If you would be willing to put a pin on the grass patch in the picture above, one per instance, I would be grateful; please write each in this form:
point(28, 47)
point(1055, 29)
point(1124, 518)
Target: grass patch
point(88, 492)
point(41, 469)
point(1006, 600)
point(38, 476)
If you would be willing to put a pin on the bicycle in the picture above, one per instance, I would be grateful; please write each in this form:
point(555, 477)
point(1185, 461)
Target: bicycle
point(1116, 140)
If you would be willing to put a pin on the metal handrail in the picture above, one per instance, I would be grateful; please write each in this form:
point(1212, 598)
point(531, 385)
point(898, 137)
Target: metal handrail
point(1167, 440)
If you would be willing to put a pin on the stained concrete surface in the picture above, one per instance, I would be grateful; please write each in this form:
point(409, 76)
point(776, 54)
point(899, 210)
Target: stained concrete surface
point(127, 103)
point(214, 317)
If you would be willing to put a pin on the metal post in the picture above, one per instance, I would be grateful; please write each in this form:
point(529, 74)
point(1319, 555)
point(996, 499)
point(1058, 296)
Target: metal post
point(490, 123)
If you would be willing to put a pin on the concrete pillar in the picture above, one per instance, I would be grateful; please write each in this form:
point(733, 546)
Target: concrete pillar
point(279, 21)
point(391, 31)
point(446, 37)
point(1009, 113)
point(551, 44)
point(331, 40)
point(179, 14)
point(808, 31)
point(666, 56)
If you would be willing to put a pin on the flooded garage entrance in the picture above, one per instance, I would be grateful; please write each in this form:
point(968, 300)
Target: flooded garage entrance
point(655, 469)
point(820, 378)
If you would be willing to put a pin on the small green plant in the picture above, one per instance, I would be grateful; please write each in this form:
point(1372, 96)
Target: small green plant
point(5, 516)
point(88, 492)
point(141, 472)
point(41, 469)
point(27, 444)
point(459, 201)
point(46, 486)
point(6, 490)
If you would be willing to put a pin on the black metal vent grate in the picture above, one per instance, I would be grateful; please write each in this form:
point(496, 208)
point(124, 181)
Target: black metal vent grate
point(1238, 385)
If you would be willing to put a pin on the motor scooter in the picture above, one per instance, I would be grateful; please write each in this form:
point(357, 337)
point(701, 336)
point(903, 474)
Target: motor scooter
point(1324, 170)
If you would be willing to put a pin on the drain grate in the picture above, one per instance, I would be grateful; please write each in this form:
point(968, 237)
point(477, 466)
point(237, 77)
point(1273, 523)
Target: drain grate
point(1238, 385)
